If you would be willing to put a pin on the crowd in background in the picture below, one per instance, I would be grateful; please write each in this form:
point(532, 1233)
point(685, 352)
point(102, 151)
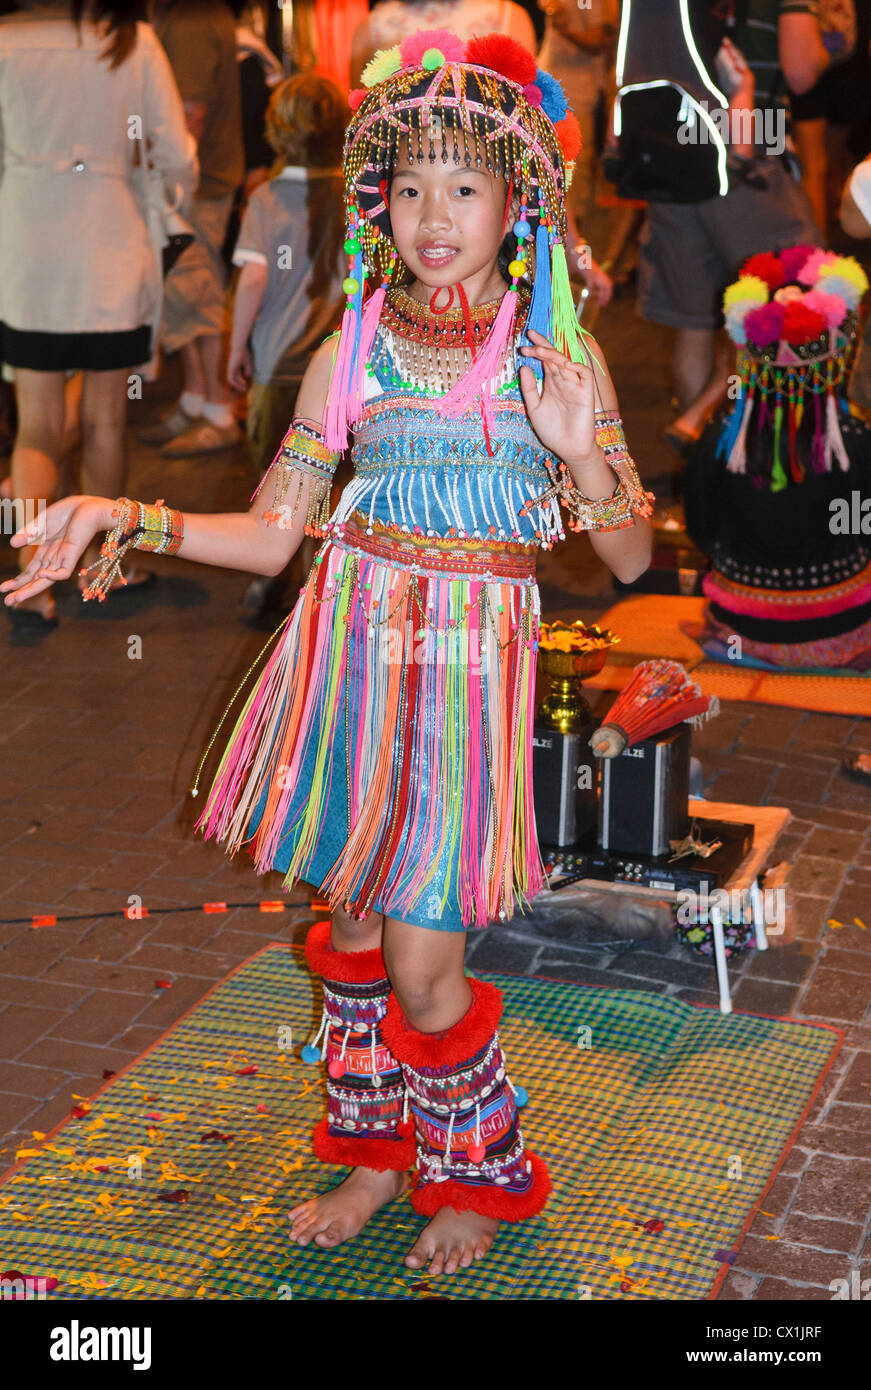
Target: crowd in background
point(168, 189)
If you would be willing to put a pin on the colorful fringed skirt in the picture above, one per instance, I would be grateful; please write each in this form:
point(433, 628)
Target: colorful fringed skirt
point(384, 755)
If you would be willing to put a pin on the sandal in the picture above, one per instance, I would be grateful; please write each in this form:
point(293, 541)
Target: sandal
point(680, 441)
point(857, 767)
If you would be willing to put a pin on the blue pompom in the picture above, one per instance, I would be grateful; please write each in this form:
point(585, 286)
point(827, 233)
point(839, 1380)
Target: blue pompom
point(520, 1096)
point(310, 1055)
point(553, 98)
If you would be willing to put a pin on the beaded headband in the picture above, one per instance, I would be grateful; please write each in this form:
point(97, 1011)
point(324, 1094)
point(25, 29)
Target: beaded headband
point(486, 104)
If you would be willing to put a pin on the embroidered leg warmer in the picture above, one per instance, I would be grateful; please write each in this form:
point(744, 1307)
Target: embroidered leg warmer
point(365, 1124)
point(470, 1150)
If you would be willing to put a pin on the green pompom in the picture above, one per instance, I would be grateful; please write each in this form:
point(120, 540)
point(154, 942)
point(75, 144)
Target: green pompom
point(350, 285)
point(433, 58)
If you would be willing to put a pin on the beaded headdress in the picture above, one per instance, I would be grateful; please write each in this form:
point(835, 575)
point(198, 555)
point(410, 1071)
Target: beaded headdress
point(793, 314)
point(483, 103)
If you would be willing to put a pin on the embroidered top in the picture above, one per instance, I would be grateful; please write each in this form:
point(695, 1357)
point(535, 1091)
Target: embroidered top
point(425, 475)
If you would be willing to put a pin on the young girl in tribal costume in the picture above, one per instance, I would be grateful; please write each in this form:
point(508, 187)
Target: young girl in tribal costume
point(384, 755)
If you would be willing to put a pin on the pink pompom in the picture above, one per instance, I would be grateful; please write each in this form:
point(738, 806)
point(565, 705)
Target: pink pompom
point(412, 49)
point(336, 1068)
point(810, 271)
point(477, 1153)
point(793, 259)
point(764, 325)
point(832, 307)
point(357, 97)
point(533, 94)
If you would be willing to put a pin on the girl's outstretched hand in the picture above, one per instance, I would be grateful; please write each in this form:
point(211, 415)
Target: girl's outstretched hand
point(563, 416)
point(60, 534)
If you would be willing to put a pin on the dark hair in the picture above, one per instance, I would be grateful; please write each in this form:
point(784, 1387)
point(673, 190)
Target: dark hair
point(121, 16)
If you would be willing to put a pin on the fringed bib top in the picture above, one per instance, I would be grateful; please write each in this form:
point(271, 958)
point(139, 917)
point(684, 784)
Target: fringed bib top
point(423, 475)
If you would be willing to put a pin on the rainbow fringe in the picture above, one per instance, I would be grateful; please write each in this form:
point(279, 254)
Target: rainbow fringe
point(427, 825)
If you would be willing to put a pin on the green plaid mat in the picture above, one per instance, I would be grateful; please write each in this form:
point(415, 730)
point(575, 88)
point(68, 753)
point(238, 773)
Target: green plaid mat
point(660, 1123)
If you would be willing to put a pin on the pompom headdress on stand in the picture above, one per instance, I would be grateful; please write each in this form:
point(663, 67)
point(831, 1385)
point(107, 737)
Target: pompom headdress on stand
point(486, 104)
point(793, 315)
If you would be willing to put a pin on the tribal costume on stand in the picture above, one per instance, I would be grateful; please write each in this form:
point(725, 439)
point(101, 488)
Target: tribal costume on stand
point(385, 753)
point(770, 484)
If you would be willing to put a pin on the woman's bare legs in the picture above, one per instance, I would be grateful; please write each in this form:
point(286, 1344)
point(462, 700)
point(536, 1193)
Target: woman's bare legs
point(35, 454)
point(429, 981)
point(104, 447)
point(341, 1213)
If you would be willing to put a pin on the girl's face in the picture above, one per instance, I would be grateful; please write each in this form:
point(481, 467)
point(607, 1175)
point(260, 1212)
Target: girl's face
point(447, 222)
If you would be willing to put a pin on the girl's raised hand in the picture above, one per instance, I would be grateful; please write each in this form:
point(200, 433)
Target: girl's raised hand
point(563, 416)
point(60, 534)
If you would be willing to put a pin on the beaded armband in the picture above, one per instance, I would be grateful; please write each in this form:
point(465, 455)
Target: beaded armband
point(585, 513)
point(157, 528)
point(303, 455)
point(612, 441)
point(613, 513)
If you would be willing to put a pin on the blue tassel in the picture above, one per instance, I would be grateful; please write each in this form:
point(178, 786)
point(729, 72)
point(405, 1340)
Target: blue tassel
point(540, 316)
point(730, 428)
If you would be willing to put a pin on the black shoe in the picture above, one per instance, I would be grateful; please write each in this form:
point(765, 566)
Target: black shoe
point(29, 624)
point(858, 768)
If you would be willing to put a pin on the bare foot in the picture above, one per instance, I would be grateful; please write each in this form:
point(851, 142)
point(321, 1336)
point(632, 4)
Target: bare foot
point(452, 1241)
point(341, 1213)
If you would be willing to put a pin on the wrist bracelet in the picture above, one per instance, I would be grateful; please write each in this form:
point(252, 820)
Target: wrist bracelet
point(157, 528)
point(611, 439)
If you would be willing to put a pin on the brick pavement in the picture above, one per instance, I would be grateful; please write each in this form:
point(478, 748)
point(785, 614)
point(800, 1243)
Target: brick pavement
point(99, 748)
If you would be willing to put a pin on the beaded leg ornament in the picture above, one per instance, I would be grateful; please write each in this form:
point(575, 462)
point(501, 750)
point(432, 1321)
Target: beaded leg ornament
point(139, 527)
point(366, 1124)
point(471, 1154)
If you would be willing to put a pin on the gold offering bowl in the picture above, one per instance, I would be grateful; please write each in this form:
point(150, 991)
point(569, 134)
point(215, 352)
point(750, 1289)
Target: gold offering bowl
point(568, 654)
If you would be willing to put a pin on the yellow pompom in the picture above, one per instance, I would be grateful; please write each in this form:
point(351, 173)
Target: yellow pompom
point(384, 64)
point(849, 269)
point(749, 289)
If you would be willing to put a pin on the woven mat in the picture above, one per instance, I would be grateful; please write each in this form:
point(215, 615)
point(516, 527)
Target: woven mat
point(673, 1114)
point(666, 625)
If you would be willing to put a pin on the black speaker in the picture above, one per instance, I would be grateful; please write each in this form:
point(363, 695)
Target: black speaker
point(645, 794)
point(564, 776)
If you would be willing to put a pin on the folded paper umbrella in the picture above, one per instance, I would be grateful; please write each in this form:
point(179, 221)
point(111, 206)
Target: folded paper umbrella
point(658, 695)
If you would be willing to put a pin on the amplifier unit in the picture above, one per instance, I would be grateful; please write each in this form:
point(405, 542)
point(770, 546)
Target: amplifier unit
point(654, 871)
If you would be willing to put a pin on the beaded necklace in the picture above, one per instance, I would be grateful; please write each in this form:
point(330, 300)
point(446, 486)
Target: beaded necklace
point(431, 348)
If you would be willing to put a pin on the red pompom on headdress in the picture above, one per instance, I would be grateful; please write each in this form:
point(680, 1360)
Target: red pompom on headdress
point(357, 96)
point(802, 325)
point(504, 56)
point(569, 135)
point(767, 266)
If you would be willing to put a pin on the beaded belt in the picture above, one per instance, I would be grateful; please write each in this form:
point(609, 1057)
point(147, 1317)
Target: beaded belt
point(436, 554)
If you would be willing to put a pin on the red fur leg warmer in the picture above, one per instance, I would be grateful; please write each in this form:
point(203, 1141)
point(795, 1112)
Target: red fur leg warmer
point(471, 1154)
point(364, 1125)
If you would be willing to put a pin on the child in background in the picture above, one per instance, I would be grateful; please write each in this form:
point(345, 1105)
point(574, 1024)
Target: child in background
point(289, 294)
